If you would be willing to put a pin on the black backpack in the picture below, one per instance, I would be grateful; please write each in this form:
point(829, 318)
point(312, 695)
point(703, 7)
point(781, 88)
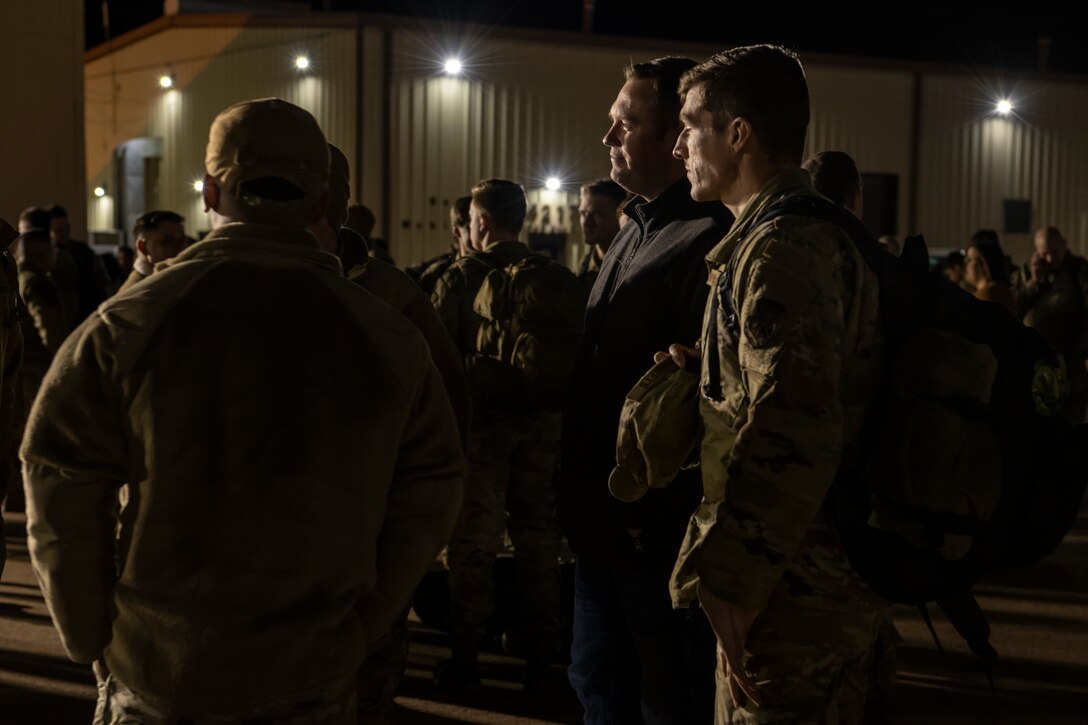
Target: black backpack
point(914, 535)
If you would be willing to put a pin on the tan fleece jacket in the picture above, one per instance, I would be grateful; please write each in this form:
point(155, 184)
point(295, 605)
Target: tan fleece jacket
point(293, 465)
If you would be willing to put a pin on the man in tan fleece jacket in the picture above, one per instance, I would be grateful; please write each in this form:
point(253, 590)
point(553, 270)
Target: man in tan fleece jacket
point(292, 460)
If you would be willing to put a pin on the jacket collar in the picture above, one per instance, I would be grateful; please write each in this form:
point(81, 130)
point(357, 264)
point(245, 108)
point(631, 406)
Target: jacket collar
point(674, 203)
point(786, 182)
point(245, 239)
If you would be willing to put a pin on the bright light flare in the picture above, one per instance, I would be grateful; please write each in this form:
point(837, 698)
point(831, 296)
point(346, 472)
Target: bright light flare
point(198, 185)
point(553, 183)
point(302, 62)
point(453, 66)
point(99, 191)
point(1004, 107)
point(166, 81)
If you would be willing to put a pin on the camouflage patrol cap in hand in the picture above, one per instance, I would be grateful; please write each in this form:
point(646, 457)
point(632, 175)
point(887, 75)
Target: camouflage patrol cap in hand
point(659, 429)
point(268, 137)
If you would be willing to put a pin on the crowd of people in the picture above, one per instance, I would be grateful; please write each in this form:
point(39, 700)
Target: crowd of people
point(240, 455)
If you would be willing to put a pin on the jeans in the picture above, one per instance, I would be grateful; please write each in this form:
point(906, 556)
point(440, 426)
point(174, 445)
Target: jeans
point(634, 658)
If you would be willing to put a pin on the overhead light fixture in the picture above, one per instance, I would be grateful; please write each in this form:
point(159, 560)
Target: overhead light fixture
point(99, 191)
point(1004, 106)
point(302, 62)
point(453, 67)
point(198, 185)
point(167, 80)
point(553, 183)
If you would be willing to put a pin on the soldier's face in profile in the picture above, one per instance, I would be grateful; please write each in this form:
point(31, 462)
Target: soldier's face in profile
point(708, 161)
point(639, 144)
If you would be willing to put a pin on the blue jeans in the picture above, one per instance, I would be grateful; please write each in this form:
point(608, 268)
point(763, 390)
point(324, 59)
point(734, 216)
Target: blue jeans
point(634, 658)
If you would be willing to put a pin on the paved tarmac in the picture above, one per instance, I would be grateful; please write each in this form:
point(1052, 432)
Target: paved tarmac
point(1040, 628)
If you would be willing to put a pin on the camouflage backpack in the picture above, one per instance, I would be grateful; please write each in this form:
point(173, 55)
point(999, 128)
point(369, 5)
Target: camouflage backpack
point(533, 313)
point(966, 467)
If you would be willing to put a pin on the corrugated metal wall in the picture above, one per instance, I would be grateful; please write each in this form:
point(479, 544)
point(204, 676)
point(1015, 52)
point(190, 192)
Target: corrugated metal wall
point(523, 111)
point(213, 68)
point(41, 127)
point(972, 159)
point(867, 114)
point(527, 110)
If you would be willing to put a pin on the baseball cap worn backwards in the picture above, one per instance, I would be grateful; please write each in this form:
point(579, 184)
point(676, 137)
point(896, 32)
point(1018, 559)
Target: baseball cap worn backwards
point(659, 431)
point(267, 138)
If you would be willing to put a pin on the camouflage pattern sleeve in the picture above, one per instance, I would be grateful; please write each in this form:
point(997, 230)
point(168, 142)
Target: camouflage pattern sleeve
point(773, 479)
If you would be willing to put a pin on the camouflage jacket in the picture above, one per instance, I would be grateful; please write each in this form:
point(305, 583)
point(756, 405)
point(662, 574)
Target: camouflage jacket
point(791, 360)
point(455, 292)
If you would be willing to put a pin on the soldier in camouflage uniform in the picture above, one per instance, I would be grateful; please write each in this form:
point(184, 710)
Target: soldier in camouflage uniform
point(598, 211)
point(513, 458)
point(790, 362)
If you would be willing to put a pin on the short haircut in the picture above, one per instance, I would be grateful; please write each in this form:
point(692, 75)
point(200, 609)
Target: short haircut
point(501, 200)
point(58, 212)
point(835, 175)
point(460, 210)
point(149, 221)
point(1052, 234)
point(984, 236)
point(994, 256)
point(666, 74)
point(605, 187)
point(764, 84)
point(35, 217)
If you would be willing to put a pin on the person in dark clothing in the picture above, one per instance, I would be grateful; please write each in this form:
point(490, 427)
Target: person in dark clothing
point(598, 211)
point(427, 273)
point(1054, 300)
point(634, 658)
point(64, 273)
point(835, 175)
point(91, 279)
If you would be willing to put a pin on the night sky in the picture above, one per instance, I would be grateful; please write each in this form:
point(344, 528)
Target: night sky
point(973, 34)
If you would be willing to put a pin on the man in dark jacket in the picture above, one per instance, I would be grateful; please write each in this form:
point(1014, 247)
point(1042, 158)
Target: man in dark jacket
point(634, 657)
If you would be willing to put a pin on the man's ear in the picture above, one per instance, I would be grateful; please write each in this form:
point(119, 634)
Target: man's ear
point(141, 246)
point(738, 134)
point(485, 224)
point(210, 193)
